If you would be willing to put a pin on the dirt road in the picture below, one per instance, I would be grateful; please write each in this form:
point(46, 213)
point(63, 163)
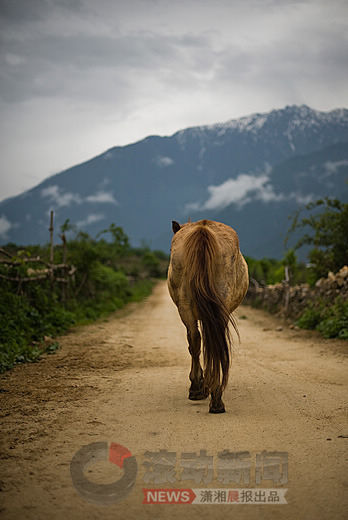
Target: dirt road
point(125, 380)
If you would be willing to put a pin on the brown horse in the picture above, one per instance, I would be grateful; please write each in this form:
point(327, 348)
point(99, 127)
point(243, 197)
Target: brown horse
point(207, 280)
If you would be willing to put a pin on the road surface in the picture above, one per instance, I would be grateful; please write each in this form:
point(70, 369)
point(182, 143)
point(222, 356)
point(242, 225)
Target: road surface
point(124, 380)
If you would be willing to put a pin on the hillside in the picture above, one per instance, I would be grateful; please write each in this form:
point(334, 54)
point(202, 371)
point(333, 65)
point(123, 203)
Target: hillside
point(250, 173)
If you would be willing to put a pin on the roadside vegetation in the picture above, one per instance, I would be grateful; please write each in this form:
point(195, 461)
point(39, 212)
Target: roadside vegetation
point(93, 277)
point(269, 271)
point(323, 228)
point(107, 274)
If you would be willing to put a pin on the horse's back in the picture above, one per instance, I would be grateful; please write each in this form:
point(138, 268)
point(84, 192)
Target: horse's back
point(225, 237)
point(230, 268)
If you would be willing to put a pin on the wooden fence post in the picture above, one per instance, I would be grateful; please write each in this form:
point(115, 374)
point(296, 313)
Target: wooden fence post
point(65, 275)
point(51, 229)
point(286, 283)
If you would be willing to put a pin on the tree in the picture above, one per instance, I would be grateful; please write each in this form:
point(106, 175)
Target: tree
point(120, 239)
point(328, 233)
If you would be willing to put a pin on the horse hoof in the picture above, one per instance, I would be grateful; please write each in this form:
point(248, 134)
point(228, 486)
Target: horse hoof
point(217, 410)
point(197, 395)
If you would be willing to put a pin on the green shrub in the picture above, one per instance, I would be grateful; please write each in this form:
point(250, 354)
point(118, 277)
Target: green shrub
point(335, 320)
point(108, 281)
point(325, 229)
point(309, 319)
point(268, 271)
point(141, 289)
point(330, 320)
point(152, 263)
point(101, 285)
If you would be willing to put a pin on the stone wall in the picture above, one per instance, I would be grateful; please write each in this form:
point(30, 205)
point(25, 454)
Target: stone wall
point(291, 301)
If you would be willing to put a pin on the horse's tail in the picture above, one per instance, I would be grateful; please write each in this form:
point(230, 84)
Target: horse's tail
point(202, 255)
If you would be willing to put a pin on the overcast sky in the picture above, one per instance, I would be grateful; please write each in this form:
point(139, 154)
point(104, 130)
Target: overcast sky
point(80, 76)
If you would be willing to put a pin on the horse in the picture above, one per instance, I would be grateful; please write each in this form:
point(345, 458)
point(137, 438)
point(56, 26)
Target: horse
point(207, 280)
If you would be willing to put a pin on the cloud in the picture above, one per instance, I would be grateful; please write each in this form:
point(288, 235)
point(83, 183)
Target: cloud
point(5, 226)
point(93, 75)
point(239, 191)
point(164, 161)
point(102, 197)
point(301, 199)
point(243, 190)
point(234, 191)
point(55, 194)
point(13, 59)
point(107, 50)
point(91, 219)
point(331, 167)
point(33, 10)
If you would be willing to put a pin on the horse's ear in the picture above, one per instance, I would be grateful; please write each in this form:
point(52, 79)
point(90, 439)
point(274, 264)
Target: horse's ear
point(175, 226)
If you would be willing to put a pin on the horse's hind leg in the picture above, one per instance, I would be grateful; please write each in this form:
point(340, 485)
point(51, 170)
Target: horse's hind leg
point(197, 388)
point(216, 404)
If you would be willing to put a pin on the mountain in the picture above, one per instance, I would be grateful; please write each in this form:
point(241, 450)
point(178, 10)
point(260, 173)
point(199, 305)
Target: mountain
point(250, 173)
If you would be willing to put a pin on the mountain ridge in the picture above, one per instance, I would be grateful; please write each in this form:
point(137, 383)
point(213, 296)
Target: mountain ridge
point(227, 171)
